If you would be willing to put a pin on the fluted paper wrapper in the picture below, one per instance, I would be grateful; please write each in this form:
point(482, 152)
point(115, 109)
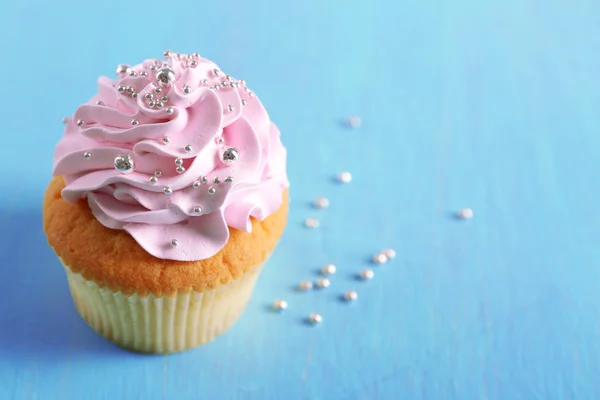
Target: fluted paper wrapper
point(165, 324)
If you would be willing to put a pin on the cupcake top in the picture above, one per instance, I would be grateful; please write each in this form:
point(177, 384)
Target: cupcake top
point(174, 152)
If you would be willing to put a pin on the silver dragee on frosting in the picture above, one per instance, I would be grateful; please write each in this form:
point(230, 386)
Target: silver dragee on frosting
point(173, 151)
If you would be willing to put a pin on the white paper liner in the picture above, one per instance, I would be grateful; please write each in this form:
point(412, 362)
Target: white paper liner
point(151, 324)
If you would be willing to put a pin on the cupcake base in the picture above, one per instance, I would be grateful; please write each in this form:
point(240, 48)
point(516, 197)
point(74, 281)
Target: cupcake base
point(165, 324)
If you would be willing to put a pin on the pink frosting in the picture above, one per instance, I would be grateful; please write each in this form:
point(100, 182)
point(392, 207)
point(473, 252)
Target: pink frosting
point(169, 201)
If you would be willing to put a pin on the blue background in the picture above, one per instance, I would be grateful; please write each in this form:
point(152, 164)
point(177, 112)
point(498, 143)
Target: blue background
point(492, 105)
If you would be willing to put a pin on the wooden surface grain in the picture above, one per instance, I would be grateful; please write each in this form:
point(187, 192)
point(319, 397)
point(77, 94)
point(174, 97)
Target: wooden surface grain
point(491, 105)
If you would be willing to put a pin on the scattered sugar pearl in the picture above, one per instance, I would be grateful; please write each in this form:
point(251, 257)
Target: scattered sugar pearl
point(465, 213)
point(305, 285)
point(311, 223)
point(315, 318)
point(367, 274)
point(328, 269)
point(323, 283)
point(345, 177)
point(389, 253)
point(350, 295)
point(280, 305)
point(354, 122)
point(380, 258)
point(321, 202)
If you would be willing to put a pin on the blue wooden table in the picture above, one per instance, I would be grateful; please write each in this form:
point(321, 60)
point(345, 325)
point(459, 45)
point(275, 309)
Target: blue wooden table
point(492, 105)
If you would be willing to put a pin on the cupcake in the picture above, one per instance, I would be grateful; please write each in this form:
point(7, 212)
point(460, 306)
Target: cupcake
point(169, 194)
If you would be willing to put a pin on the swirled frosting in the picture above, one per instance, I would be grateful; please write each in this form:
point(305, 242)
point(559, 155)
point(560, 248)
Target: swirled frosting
point(174, 152)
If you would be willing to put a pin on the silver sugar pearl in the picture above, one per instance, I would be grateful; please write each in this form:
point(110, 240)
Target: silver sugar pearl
point(168, 53)
point(164, 99)
point(323, 283)
point(196, 185)
point(166, 139)
point(219, 140)
point(187, 148)
point(169, 110)
point(174, 243)
point(244, 102)
point(194, 64)
point(165, 76)
point(187, 90)
point(224, 84)
point(205, 81)
point(212, 190)
point(153, 180)
point(204, 180)
point(328, 269)
point(229, 155)
point(144, 73)
point(134, 95)
point(132, 73)
point(87, 155)
point(124, 163)
point(216, 72)
point(167, 190)
point(157, 173)
point(99, 103)
point(229, 180)
point(151, 104)
point(180, 170)
point(315, 318)
point(135, 122)
point(217, 181)
point(280, 304)
point(230, 108)
point(153, 68)
point(122, 68)
point(129, 90)
point(158, 63)
point(178, 161)
point(197, 210)
point(350, 295)
point(148, 96)
point(121, 88)
point(159, 104)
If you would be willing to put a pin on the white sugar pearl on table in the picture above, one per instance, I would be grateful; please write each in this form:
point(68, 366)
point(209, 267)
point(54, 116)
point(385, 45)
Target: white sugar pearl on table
point(345, 177)
point(328, 269)
point(367, 274)
point(311, 223)
point(389, 253)
point(351, 295)
point(315, 318)
point(280, 305)
point(323, 283)
point(465, 213)
point(380, 258)
point(321, 202)
point(354, 121)
point(305, 285)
